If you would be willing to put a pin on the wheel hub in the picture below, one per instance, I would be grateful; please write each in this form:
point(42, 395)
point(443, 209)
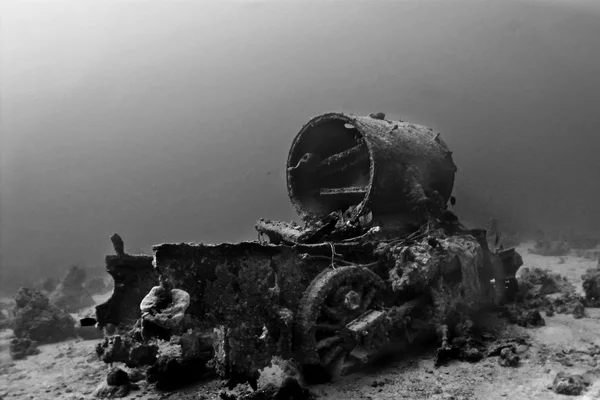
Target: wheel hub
point(352, 300)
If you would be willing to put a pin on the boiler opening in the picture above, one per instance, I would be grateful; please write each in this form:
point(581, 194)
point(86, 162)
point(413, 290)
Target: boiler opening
point(329, 168)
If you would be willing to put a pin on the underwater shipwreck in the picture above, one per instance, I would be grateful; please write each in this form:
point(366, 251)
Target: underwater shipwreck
point(378, 263)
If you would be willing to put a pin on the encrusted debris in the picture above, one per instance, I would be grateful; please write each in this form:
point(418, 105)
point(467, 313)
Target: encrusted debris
point(508, 357)
point(126, 350)
point(541, 290)
point(117, 385)
point(180, 361)
point(591, 287)
point(38, 320)
point(20, 348)
point(573, 384)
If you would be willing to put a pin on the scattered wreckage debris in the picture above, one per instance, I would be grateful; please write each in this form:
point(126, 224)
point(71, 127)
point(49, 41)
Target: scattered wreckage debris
point(542, 290)
point(522, 316)
point(124, 349)
point(582, 357)
point(380, 263)
point(181, 361)
point(472, 343)
point(586, 355)
point(574, 384)
point(508, 351)
point(508, 357)
point(466, 345)
point(117, 385)
point(280, 380)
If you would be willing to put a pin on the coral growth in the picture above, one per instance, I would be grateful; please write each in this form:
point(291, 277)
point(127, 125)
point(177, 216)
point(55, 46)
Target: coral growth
point(22, 347)
point(279, 380)
point(70, 294)
point(124, 349)
point(6, 319)
point(38, 320)
point(542, 290)
point(591, 287)
point(163, 309)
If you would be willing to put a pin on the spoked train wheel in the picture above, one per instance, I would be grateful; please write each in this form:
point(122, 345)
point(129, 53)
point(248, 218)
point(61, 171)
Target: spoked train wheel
point(335, 298)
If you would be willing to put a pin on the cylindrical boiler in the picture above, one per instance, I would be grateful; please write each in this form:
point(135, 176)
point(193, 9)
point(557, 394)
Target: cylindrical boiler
point(342, 162)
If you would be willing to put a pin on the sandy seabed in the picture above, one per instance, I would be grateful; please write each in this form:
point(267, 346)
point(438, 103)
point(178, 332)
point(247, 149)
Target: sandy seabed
point(70, 370)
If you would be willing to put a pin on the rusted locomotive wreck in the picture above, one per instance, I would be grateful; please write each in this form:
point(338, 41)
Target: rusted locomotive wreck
point(378, 263)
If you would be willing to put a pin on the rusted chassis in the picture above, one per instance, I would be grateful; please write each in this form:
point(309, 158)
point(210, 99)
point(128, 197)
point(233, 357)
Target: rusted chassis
point(265, 300)
point(251, 293)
